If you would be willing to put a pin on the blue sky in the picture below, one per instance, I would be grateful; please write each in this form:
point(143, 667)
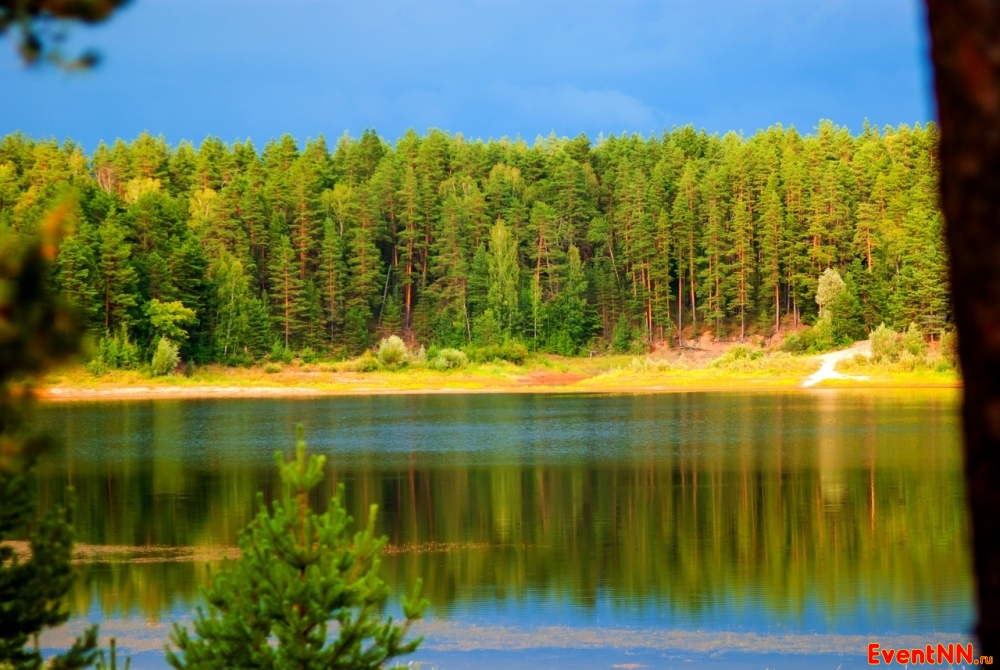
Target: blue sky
point(259, 68)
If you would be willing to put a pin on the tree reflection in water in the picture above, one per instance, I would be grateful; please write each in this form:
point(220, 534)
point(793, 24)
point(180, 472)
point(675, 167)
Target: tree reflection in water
point(692, 504)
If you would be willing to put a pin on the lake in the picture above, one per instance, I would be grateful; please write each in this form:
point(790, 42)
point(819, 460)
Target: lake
point(726, 529)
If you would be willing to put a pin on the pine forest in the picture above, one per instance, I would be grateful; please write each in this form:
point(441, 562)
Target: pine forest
point(566, 246)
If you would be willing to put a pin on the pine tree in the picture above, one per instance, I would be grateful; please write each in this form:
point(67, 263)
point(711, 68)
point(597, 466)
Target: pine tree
point(286, 289)
point(301, 577)
point(771, 247)
point(449, 290)
point(683, 227)
point(331, 277)
point(364, 266)
point(567, 315)
point(684, 216)
point(117, 277)
point(77, 276)
point(409, 202)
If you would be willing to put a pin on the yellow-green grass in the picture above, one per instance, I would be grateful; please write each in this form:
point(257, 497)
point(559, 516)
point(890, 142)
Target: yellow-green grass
point(927, 370)
point(540, 373)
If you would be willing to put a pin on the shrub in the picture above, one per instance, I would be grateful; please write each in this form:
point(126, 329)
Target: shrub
point(886, 344)
point(279, 352)
point(797, 343)
point(239, 360)
point(366, 362)
point(740, 352)
point(392, 352)
point(115, 352)
point(647, 364)
point(815, 340)
point(449, 359)
point(419, 358)
point(272, 368)
point(308, 356)
point(297, 599)
point(949, 346)
point(621, 339)
point(737, 357)
point(486, 328)
point(164, 358)
point(97, 367)
point(913, 341)
point(513, 352)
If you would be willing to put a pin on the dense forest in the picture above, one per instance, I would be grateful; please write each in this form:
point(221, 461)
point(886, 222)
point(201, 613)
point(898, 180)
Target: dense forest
point(564, 245)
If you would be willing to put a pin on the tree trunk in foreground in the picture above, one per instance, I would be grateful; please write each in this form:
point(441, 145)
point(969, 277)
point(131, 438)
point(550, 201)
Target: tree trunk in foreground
point(965, 48)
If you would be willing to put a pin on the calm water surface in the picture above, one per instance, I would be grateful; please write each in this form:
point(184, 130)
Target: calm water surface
point(757, 530)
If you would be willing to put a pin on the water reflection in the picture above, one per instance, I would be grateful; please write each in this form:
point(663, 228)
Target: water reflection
point(824, 511)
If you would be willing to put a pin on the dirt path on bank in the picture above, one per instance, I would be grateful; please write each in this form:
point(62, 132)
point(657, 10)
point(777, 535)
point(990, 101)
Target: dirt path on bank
point(830, 360)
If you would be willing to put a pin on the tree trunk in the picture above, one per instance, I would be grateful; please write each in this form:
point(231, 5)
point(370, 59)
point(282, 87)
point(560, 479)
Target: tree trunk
point(965, 49)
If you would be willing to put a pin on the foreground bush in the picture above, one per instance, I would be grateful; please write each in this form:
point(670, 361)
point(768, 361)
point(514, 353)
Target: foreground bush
point(305, 593)
point(36, 334)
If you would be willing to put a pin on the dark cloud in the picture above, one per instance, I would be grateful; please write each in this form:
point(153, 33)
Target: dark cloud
point(238, 68)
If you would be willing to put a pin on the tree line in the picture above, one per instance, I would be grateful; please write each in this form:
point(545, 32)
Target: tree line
point(564, 245)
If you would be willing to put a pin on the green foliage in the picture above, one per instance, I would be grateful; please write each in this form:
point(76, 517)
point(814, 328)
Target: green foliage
point(272, 368)
point(449, 359)
point(308, 355)
point(949, 346)
point(115, 352)
point(913, 341)
point(846, 315)
point(165, 358)
point(647, 364)
point(623, 336)
point(420, 357)
point(738, 353)
point(828, 289)
point(751, 360)
point(366, 362)
point(486, 329)
point(887, 345)
point(512, 352)
point(104, 664)
point(815, 340)
point(166, 319)
point(451, 243)
point(301, 577)
point(392, 352)
point(279, 352)
point(504, 275)
point(36, 332)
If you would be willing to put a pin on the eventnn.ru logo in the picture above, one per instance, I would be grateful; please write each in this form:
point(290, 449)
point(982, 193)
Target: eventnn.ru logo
point(950, 653)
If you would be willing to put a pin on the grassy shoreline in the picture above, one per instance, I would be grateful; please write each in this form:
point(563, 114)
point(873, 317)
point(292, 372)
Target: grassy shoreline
point(540, 374)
